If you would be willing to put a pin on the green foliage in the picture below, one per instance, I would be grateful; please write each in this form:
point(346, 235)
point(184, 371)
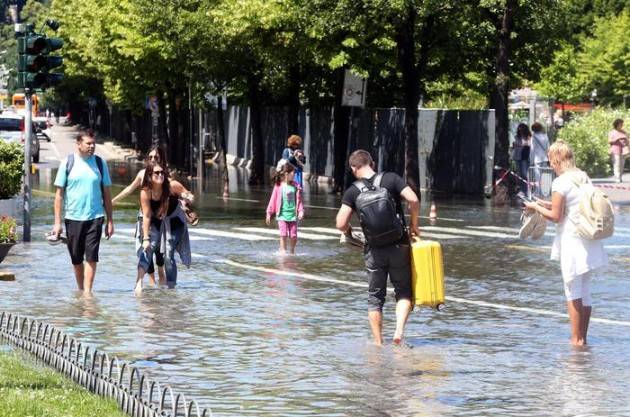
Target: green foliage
point(600, 62)
point(27, 389)
point(605, 60)
point(8, 229)
point(588, 137)
point(11, 162)
point(559, 79)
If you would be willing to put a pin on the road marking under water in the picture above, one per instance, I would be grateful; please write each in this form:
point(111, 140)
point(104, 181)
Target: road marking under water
point(336, 232)
point(619, 232)
point(223, 233)
point(467, 232)
point(238, 199)
point(448, 298)
point(274, 231)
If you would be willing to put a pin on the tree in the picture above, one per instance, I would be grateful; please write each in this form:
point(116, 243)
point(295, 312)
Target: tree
point(605, 60)
point(599, 62)
point(522, 35)
point(559, 79)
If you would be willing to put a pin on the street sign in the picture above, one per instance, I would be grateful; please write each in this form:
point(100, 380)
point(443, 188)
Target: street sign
point(354, 90)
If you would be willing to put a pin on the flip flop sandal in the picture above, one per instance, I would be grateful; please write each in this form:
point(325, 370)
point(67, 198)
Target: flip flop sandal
point(55, 239)
point(527, 225)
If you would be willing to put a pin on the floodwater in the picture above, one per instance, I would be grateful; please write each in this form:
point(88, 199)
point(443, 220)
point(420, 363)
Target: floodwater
point(250, 333)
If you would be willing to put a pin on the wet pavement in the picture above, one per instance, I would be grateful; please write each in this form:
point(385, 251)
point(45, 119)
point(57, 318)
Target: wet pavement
point(252, 333)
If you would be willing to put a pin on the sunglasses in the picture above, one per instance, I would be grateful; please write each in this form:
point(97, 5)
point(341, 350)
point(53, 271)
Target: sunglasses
point(158, 173)
point(154, 157)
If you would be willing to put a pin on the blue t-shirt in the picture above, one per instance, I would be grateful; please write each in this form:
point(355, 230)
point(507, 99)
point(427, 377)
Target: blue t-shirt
point(83, 199)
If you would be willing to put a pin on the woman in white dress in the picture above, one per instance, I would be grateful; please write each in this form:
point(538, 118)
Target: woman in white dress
point(578, 257)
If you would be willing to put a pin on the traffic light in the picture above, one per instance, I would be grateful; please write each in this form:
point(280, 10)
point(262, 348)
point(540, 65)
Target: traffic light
point(35, 63)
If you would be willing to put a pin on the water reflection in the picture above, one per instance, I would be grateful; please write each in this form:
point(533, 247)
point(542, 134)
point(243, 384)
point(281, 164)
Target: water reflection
point(249, 343)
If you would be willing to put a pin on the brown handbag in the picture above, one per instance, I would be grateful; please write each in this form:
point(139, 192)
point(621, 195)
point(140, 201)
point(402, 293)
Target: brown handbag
point(192, 218)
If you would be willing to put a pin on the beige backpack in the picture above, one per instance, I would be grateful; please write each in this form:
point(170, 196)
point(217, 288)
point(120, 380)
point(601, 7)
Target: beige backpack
point(596, 216)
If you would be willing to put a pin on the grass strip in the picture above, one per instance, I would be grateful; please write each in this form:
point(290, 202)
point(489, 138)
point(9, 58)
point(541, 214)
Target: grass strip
point(29, 389)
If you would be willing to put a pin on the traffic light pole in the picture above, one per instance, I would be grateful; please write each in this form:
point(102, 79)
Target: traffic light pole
point(28, 180)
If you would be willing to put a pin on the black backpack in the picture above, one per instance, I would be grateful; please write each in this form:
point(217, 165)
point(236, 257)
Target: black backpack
point(381, 223)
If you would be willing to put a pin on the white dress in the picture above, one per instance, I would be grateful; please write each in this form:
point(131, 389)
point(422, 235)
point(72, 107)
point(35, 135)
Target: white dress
point(577, 256)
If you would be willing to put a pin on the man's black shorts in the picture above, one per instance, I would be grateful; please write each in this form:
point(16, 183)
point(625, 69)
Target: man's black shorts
point(84, 238)
point(393, 261)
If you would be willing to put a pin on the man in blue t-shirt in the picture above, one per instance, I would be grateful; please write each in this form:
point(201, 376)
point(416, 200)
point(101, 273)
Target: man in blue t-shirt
point(83, 185)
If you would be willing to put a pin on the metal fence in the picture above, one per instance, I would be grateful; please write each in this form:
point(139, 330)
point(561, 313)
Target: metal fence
point(540, 179)
point(96, 371)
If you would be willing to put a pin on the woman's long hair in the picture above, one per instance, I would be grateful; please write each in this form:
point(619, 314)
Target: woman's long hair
point(147, 184)
point(286, 169)
point(522, 131)
point(161, 153)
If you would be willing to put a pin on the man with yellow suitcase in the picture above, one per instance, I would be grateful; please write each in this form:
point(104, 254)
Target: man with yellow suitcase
point(376, 198)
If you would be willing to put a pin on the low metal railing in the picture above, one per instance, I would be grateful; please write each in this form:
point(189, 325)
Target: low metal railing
point(96, 371)
point(540, 180)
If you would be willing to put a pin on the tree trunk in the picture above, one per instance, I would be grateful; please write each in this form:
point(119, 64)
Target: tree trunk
point(501, 88)
point(258, 150)
point(162, 126)
point(405, 42)
point(221, 133)
point(341, 116)
point(173, 130)
point(294, 99)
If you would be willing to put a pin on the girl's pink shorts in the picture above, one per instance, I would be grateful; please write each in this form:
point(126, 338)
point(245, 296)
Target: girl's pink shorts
point(287, 229)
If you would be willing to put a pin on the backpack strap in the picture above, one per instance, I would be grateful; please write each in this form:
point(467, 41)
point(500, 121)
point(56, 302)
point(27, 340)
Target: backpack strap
point(364, 185)
point(99, 164)
point(69, 165)
point(377, 179)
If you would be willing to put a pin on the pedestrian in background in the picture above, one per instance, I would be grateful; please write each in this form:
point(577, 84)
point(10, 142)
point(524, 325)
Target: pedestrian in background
point(538, 152)
point(578, 257)
point(520, 152)
point(163, 223)
point(618, 141)
point(295, 156)
point(83, 187)
point(383, 257)
point(287, 205)
point(156, 154)
point(539, 146)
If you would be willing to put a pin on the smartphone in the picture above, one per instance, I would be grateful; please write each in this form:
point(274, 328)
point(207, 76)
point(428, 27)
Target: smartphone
point(523, 197)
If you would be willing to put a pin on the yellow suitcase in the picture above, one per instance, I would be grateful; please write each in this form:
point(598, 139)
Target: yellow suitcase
point(427, 273)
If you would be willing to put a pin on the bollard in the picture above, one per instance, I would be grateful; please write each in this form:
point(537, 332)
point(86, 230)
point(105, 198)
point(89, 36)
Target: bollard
point(6, 276)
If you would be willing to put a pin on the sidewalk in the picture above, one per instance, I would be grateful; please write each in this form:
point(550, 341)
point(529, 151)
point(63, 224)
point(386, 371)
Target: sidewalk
point(619, 193)
point(107, 147)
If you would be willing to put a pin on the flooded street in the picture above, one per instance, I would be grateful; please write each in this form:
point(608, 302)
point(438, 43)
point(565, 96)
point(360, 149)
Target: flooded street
point(248, 332)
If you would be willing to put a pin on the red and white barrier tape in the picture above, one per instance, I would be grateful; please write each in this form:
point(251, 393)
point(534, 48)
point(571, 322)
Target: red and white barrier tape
point(505, 174)
point(614, 187)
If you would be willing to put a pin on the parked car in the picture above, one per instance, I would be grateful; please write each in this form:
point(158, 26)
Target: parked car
point(12, 130)
point(42, 125)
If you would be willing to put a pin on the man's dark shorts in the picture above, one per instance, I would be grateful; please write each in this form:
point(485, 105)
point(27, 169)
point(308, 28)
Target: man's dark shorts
point(393, 261)
point(84, 238)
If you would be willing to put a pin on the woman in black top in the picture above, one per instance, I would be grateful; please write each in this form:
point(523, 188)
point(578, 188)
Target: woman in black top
point(520, 151)
point(163, 222)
